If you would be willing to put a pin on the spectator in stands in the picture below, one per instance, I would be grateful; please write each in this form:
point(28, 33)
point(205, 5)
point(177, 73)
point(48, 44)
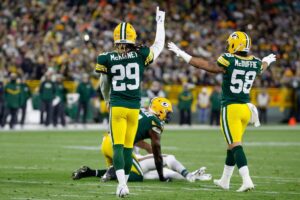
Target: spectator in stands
point(185, 100)
point(47, 94)
point(215, 102)
point(12, 101)
point(155, 90)
point(203, 104)
point(1, 100)
point(59, 102)
point(86, 92)
point(25, 95)
point(263, 100)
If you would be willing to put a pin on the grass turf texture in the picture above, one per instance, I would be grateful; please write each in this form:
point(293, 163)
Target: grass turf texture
point(38, 165)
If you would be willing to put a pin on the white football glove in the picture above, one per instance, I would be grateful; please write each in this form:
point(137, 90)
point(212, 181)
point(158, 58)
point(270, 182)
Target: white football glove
point(160, 16)
point(179, 52)
point(269, 59)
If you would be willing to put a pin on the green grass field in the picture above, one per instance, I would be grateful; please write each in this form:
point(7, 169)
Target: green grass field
point(38, 165)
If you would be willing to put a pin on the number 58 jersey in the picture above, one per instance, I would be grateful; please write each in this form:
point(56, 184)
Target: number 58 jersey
point(125, 73)
point(238, 78)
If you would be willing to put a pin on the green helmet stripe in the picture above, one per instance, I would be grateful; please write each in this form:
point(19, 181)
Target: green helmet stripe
point(125, 31)
point(247, 41)
point(121, 31)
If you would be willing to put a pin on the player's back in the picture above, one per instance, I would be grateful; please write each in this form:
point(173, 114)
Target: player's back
point(238, 78)
point(125, 72)
point(147, 121)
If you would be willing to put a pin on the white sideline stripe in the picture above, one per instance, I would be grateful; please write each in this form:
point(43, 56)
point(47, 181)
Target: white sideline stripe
point(103, 127)
point(272, 144)
point(156, 188)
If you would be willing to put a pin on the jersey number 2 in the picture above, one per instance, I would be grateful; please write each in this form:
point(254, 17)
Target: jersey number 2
point(131, 72)
point(238, 85)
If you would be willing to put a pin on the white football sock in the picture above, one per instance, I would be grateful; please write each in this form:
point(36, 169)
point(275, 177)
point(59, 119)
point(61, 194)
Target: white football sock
point(126, 177)
point(244, 172)
point(227, 173)
point(121, 176)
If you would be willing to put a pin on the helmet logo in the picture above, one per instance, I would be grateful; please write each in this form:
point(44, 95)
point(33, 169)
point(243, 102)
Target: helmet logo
point(165, 104)
point(234, 36)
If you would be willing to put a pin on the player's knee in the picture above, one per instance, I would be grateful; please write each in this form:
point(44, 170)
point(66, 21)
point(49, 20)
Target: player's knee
point(170, 159)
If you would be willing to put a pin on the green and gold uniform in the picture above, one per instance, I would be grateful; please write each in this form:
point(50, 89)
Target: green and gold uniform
point(125, 73)
point(147, 121)
point(237, 82)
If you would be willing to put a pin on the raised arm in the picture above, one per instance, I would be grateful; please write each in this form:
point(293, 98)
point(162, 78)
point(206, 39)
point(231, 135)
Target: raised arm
point(159, 42)
point(195, 61)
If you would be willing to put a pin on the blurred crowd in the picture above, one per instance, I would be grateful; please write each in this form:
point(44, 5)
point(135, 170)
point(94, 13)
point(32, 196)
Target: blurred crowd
point(68, 35)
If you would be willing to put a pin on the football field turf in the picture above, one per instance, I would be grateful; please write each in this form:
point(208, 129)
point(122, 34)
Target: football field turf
point(38, 165)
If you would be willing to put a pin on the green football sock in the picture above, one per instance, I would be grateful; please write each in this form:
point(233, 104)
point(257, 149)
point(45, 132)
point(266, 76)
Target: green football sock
point(128, 160)
point(230, 161)
point(239, 156)
point(118, 158)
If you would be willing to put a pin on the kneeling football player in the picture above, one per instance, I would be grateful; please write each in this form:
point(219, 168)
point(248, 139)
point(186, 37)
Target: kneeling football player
point(152, 166)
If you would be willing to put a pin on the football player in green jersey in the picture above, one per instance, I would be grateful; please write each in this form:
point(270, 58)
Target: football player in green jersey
point(239, 71)
point(122, 71)
point(155, 165)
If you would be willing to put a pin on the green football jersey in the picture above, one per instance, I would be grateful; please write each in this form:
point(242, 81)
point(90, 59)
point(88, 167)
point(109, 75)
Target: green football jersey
point(238, 78)
point(147, 121)
point(125, 73)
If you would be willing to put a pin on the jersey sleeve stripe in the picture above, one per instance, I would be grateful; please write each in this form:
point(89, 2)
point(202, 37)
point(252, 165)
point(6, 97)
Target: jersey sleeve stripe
point(149, 58)
point(101, 68)
point(223, 61)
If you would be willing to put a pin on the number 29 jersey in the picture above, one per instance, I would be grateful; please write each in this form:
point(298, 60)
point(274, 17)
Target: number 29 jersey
point(238, 78)
point(125, 73)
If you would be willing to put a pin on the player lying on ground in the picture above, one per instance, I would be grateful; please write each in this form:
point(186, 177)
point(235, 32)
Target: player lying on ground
point(123, 69)
point(150, 126)
point(239, 71)
point(143, 168)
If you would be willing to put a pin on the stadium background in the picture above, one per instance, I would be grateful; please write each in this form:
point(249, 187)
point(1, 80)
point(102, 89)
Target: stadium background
point(66, 36)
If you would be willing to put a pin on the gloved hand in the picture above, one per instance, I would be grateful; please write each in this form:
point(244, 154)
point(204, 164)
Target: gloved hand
point(160, 16)
point(179, 52)
point(269, 59)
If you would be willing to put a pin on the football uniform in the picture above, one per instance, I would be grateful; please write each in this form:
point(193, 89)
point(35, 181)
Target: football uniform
point(237, 82)
point(124, 72)
point(147, 121)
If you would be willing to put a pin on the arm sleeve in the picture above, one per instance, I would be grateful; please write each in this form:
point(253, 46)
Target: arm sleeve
point(105, 87)
point(159, 42)
point(157, 127)
point(223, 61)
point(101, 64)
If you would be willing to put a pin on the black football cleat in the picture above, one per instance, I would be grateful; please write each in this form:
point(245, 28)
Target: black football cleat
point(82, 172)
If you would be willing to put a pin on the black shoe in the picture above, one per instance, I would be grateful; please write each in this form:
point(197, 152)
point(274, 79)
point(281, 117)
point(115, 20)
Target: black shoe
point(82, 172)
point(109, 175)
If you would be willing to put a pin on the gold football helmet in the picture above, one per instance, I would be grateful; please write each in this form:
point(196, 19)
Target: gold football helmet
point(124, 33)
point(162, 108)
point(238, 41)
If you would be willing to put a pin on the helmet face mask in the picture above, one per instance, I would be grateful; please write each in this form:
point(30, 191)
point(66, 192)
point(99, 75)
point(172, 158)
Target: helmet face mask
point(238, 42)
point(162, 108)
